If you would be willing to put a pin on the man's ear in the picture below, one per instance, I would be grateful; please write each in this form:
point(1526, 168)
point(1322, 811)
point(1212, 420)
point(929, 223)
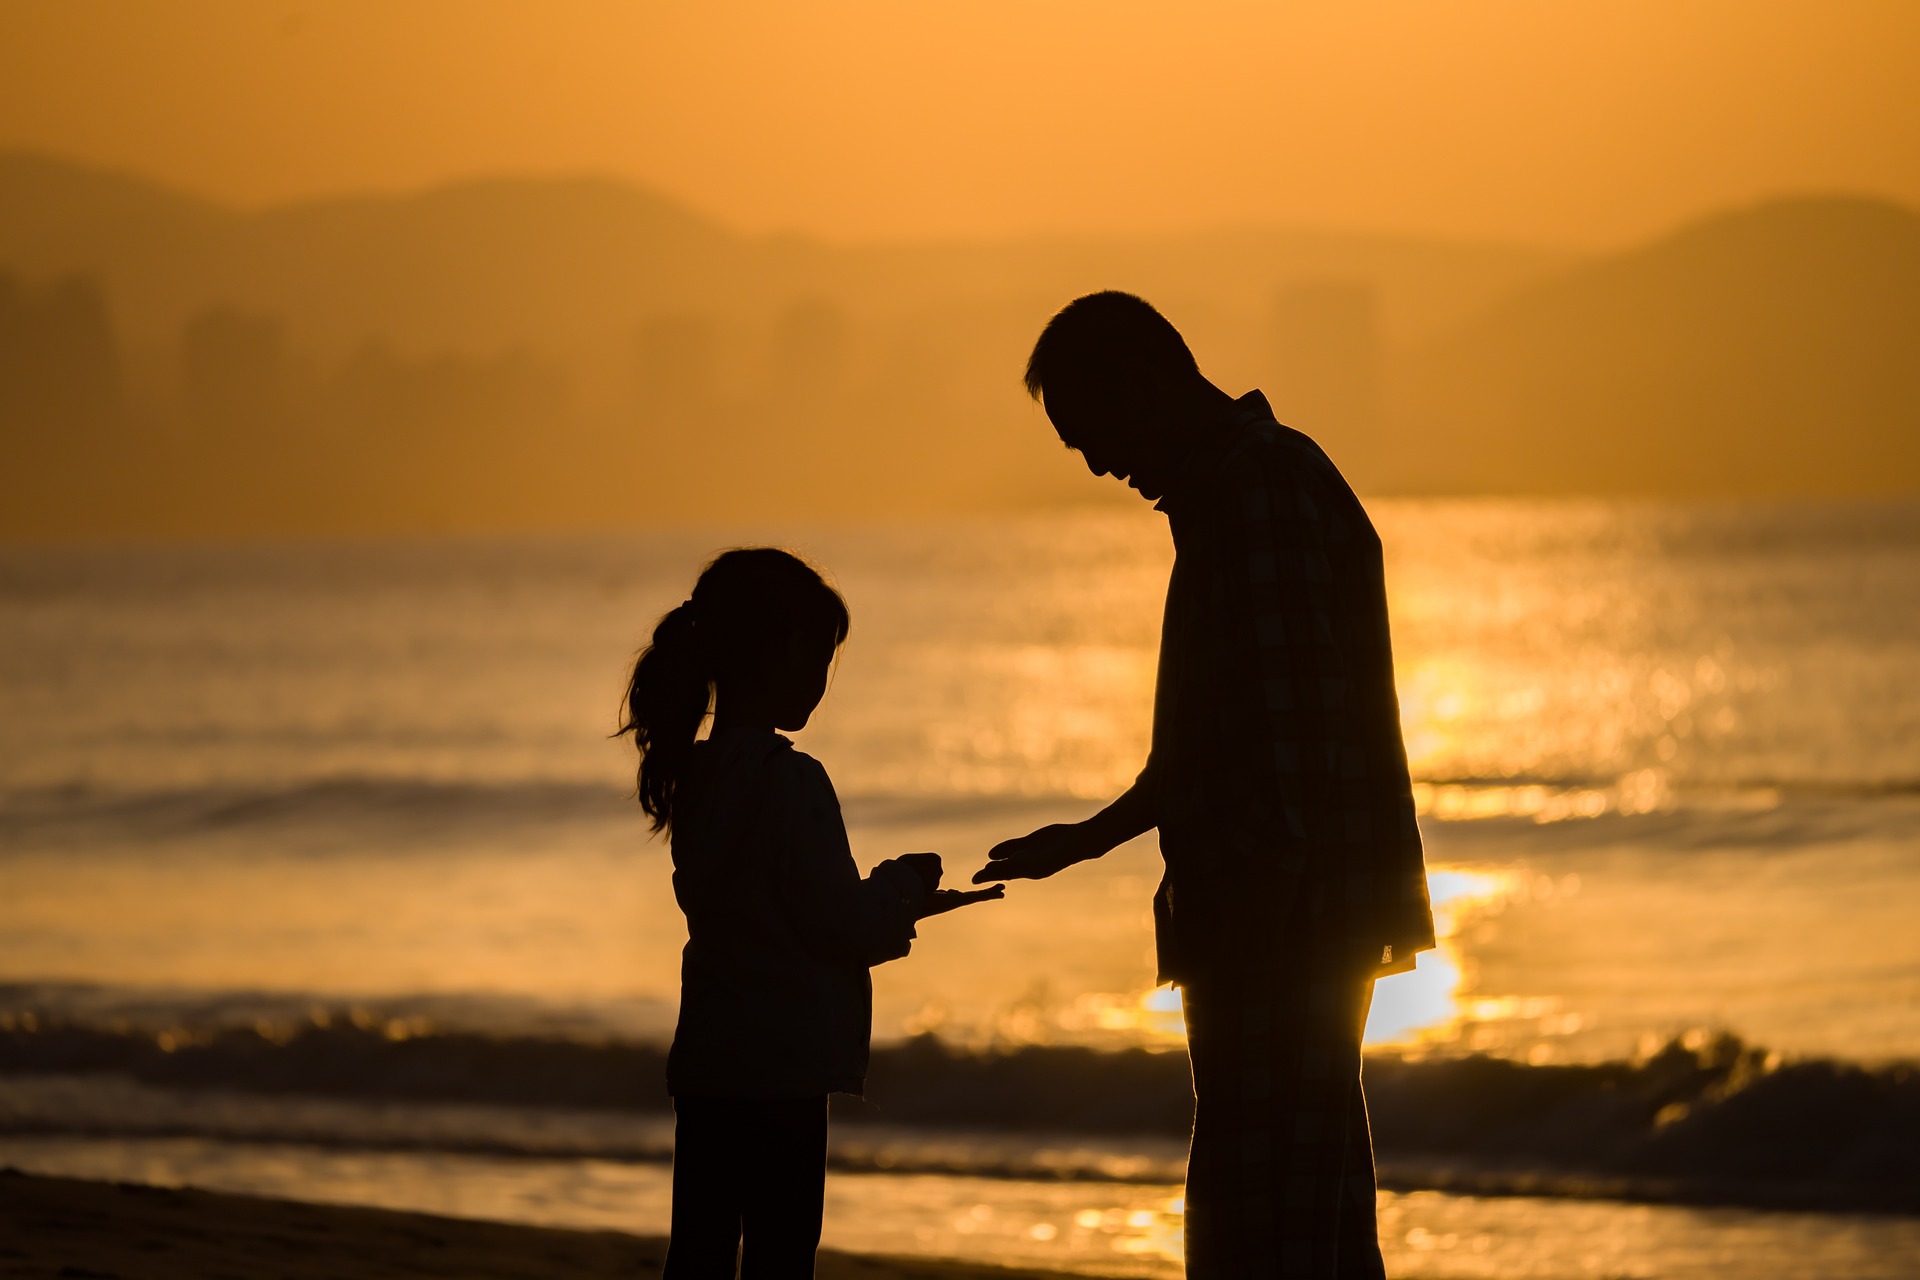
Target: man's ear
point(1165, 391)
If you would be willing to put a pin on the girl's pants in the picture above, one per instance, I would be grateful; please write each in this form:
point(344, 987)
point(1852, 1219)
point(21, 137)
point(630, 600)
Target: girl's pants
point(749, 1180)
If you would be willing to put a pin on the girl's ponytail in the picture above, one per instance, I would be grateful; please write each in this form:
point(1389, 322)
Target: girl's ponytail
point(667, 699)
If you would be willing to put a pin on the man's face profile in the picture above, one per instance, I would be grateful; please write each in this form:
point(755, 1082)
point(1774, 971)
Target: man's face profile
point(1117, 433)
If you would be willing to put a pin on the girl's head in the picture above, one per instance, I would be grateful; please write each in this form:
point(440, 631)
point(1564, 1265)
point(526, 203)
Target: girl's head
point(758, 634)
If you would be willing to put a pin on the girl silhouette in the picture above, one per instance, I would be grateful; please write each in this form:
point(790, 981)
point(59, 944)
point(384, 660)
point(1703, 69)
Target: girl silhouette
point(776, 1004)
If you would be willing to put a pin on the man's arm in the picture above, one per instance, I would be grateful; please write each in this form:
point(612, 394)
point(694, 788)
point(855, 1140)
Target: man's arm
point(1057, 847)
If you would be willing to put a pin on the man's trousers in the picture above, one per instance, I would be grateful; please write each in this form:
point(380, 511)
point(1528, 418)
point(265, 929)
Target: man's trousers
point(1280, 1180)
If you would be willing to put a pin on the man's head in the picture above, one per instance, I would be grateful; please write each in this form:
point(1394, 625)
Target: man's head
point(1118, 383)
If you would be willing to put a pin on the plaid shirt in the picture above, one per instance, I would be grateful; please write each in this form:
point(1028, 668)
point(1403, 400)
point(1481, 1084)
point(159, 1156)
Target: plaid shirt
point(1277, 769)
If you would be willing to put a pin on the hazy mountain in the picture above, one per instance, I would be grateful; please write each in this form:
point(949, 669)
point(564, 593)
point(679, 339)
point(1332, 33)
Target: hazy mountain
point(551, 262)
point(1773, 350)
point(580, 352)
point(470, 266)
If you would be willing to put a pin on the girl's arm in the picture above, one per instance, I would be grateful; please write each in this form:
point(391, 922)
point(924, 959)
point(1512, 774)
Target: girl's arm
point(945, 900)
point(836, 912)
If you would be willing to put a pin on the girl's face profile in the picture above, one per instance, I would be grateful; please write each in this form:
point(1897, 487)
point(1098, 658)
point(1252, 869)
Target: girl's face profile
point(802, 680)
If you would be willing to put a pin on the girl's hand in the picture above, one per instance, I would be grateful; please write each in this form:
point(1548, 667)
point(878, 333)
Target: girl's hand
point(946, 900)
point(924, 865)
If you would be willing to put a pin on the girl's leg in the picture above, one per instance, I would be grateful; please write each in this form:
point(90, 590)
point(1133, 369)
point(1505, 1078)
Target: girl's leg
point(786, 1189)
point(708, 1154)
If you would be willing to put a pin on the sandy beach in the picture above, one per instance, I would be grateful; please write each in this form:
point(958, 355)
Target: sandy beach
point(79, 1230)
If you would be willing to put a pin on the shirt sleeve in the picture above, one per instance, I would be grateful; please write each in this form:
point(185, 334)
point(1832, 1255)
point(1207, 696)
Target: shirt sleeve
point(835, 912)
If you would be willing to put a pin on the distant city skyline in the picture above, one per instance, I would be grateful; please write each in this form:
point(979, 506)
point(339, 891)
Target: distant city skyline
point(1580, 124)
point(501, 355)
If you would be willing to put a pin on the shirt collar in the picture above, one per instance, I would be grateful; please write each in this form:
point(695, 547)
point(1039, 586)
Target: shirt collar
point(1248, 410)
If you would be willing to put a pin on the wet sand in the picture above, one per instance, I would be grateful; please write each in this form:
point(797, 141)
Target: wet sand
point(79, 1230)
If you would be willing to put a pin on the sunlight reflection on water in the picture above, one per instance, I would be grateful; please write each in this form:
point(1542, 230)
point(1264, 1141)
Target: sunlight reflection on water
point(1423, 1007)
point(352, 771)
point(1411, 1010)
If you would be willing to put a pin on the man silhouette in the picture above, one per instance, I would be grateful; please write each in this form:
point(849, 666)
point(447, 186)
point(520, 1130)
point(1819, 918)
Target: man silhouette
point(1277, 779)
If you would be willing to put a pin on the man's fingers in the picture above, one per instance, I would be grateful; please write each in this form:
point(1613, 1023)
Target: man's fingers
point(1018, 845)
point(1003, 870)
point(1017, 872)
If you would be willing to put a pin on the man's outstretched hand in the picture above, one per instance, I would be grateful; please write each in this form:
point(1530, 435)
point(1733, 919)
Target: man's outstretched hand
point(1039, 855)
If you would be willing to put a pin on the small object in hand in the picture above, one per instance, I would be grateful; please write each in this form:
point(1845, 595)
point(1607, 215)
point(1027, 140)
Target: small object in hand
point(926, 866)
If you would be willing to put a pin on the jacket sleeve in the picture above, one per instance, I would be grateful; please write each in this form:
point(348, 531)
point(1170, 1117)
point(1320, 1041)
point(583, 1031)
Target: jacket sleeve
point(834, 911)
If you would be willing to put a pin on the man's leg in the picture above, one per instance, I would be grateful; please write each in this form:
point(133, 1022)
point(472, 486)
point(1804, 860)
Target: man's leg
point(1359, 1216)
point(1359, 1230)
point(1228, 1196)
point(703, 1242)
point(786, 1190)
point(1273, 1174)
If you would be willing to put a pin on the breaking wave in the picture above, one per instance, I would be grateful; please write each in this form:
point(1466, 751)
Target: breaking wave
point(1705, 1119)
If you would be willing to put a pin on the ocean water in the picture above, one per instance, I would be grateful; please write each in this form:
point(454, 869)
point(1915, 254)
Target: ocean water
point(1668, 760)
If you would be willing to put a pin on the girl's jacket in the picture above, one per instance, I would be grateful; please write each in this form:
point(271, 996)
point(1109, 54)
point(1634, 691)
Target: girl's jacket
point(775, 998)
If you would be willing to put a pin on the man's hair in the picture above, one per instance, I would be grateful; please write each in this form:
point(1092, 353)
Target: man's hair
point(1103, 338)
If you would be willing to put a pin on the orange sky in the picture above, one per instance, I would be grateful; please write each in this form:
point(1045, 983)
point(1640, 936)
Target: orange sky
point(1570, 121)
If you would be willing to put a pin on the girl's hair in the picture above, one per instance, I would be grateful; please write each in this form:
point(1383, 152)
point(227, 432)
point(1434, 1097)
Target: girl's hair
point(745, 608)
